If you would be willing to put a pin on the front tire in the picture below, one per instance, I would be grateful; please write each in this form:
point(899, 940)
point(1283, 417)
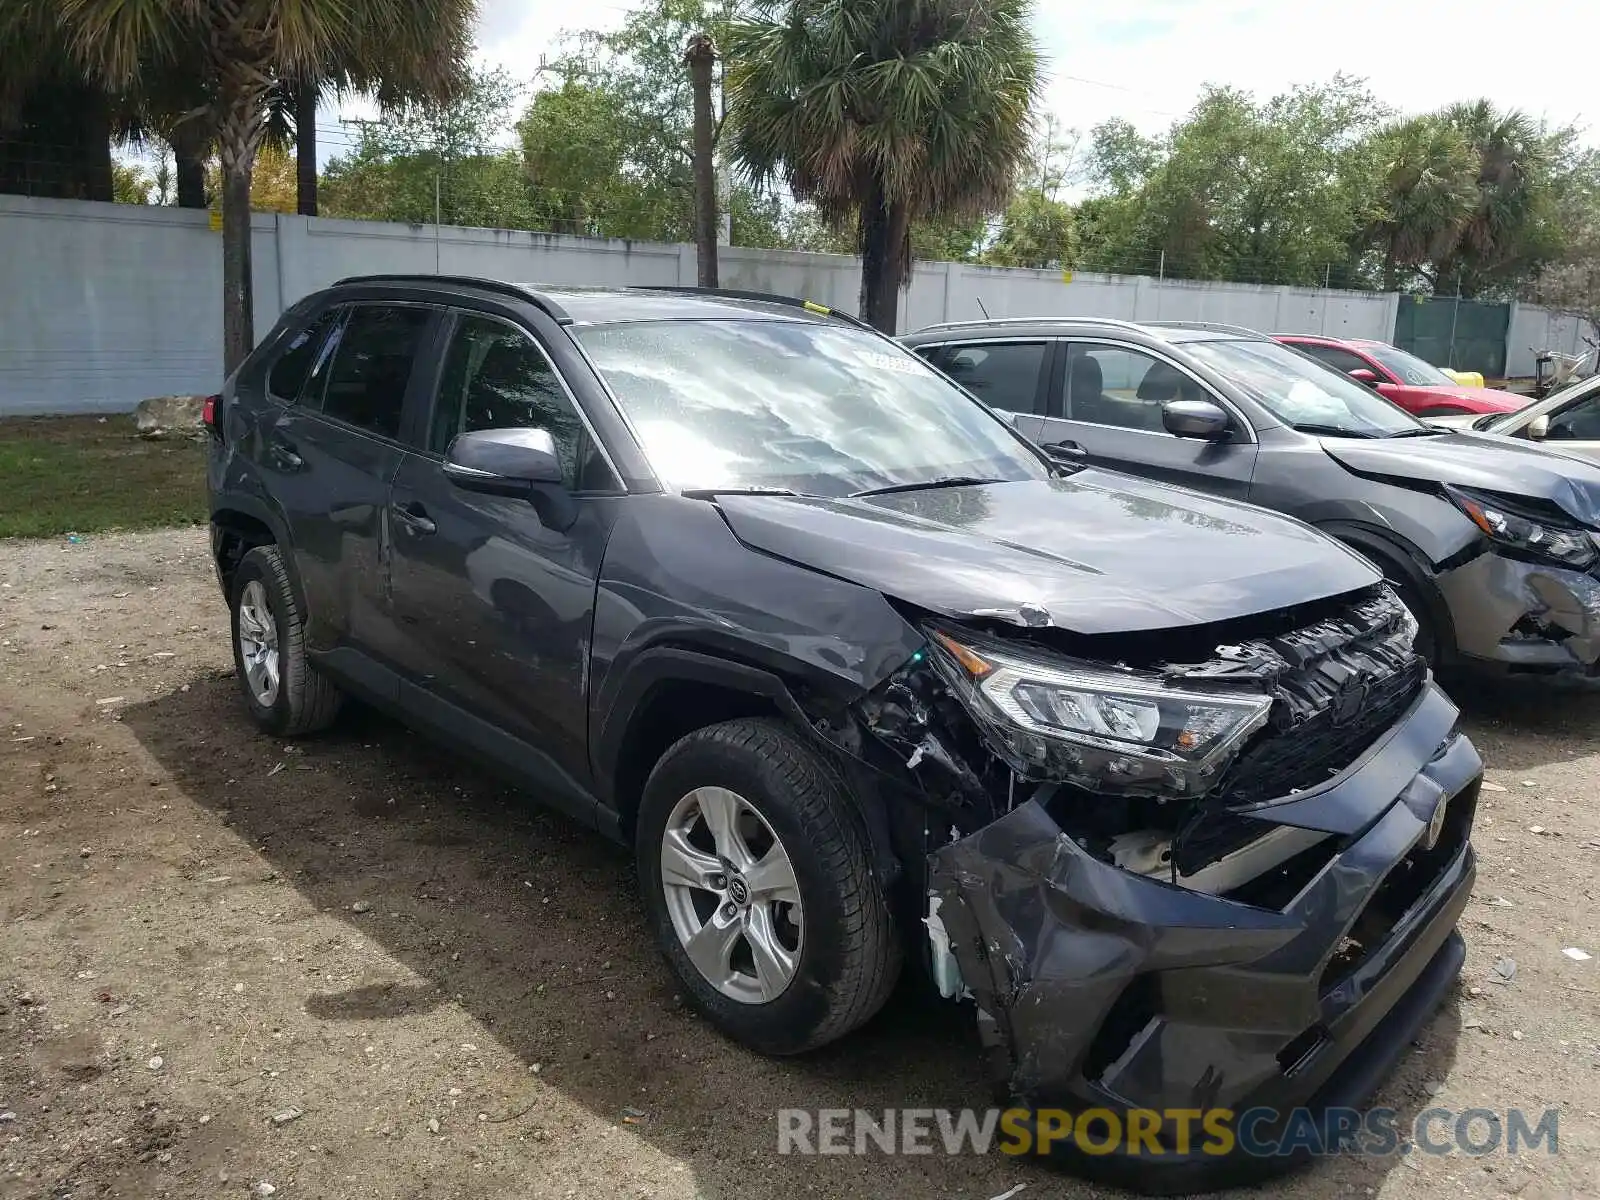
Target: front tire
point(285, 694)
point(758, 882)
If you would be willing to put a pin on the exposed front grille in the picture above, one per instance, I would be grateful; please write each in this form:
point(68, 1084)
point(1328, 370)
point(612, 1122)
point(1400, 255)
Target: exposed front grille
point(1339, 684)
point(1281, 763)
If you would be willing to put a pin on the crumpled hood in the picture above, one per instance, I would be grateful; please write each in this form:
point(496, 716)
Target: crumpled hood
point(1098, 552)
point(1480, 460)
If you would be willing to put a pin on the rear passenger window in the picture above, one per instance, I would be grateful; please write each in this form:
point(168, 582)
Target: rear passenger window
point(371, 366)
point(1002, 374)
point(288, 374)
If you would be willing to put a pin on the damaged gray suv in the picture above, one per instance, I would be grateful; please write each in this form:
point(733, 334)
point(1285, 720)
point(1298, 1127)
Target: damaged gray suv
point(1154, 782)
point(1493, 543)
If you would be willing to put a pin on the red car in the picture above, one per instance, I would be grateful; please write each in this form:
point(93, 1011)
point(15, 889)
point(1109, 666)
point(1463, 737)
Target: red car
point(1415, 386)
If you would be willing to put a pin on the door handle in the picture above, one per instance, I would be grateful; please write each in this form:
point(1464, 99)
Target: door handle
point(414, 517)
point(285, 454)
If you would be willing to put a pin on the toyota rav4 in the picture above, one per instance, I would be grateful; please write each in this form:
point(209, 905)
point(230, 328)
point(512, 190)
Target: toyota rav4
point(1154, 781)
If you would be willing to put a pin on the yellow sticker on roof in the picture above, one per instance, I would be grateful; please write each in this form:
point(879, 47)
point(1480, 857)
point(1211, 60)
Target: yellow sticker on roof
point(813, 306)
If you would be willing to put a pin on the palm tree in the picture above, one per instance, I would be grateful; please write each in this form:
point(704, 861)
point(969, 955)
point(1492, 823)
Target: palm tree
point(1510, 157)
point(244, 53)
point(1427, 192)
point(700, 56)
point(395, 58)
point(56, 127)
point(882, 112)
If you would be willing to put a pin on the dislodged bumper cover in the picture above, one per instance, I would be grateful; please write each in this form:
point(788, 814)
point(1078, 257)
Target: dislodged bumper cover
point(1099, 986)
point(1524, 614)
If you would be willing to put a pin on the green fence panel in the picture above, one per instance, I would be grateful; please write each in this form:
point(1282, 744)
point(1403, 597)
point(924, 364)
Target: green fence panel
point(1467, 335)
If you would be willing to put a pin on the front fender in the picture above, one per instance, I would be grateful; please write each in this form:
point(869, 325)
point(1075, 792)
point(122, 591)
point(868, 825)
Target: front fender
point(678, 590)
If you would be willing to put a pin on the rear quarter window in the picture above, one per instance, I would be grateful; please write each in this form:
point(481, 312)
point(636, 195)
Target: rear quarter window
point(287, 376)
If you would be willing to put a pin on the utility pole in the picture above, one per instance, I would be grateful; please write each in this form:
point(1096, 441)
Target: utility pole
point(700, 56)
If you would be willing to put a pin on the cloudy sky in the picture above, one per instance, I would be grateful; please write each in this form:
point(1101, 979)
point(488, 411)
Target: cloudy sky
point(1146, 60)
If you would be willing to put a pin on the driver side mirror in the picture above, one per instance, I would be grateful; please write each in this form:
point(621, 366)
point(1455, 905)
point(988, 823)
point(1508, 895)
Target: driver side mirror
point(1538, 429)
point(1195, 419)
point(1363, 375)
point(521, 463)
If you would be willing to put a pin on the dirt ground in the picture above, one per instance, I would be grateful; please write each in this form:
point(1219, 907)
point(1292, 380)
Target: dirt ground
point(206, 931)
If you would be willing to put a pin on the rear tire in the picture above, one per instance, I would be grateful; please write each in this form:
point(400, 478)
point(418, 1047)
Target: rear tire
point(284, 692)
point(825, 956)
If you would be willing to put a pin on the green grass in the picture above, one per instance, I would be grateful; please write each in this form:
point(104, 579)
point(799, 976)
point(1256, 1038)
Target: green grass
point(63, 475)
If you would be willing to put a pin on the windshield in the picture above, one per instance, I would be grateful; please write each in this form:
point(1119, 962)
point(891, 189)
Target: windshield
point(819, 409)
point(1408, 368)
point(1302, 392)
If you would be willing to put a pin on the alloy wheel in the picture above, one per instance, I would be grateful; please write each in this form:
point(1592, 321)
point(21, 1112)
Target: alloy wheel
point(731, 895)
point(258, 644)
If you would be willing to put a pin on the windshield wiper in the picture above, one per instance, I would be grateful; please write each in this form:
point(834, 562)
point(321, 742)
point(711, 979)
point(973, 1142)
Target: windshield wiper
point(1425, 431)
point(1331, 430)
point(944, 481)
point(713, 492)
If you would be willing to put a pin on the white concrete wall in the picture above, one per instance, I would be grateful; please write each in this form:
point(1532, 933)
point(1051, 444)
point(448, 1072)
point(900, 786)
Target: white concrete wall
point(1534, 329)
point(102, 305)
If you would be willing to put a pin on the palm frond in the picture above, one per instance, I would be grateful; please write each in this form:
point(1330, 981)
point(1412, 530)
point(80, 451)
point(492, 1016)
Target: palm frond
point(927, 100)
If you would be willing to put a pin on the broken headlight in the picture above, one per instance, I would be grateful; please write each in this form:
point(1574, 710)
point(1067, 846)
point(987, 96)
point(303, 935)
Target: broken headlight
point(1097, 728)
point(1525, 533)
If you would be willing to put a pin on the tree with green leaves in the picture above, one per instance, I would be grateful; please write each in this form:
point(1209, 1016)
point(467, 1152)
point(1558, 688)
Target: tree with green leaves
point(242, 54)
point(1269, 192)
point(56, 126)
point(882, 112)
point(1036, 232)
point(1038, 229)
point(1570, 283)
point(1508, 232)
point(423, 162)
point(609, 139)
point(1425, 191)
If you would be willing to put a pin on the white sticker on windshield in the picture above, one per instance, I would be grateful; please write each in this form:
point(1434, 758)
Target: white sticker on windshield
point(903, 363)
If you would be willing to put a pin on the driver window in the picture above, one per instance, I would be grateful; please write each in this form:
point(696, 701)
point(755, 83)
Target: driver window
point(495, 377)
point(1108, 385)
point(1579, 422)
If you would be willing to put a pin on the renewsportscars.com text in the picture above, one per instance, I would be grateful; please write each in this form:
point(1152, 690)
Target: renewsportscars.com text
point(1259, 1132)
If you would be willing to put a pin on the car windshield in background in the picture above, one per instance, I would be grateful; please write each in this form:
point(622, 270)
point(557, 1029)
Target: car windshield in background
point(811, 408)
point(1301, 392)
point(1408, 368)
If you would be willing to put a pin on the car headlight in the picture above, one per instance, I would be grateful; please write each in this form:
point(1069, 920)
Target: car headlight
point(1526, 533)
point(1101, 729)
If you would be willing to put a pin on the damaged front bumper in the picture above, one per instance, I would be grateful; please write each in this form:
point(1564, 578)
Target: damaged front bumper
point(1525, 616)
point(1098, 987)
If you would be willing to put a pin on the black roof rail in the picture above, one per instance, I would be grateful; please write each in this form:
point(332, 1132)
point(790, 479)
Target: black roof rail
point(769, 297)
point(520, 290)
